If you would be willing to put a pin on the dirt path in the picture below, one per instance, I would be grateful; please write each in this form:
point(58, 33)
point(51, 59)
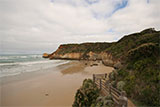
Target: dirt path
point(130, 104)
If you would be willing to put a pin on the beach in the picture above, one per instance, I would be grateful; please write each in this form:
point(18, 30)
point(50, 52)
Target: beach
point(54, 86)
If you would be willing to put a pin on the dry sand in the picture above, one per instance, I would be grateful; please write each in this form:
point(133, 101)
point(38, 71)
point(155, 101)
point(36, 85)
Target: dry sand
point(52, 87)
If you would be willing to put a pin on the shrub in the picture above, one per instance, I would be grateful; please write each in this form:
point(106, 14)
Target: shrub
point(120, 85)
point(113, 75)
point(106, 101)
point(113, 83)
point(108, 97)
point(140, 55)
point(143, 51)
point(122, 73)
point(129, 85)
point(86, 95)
point(149, 96)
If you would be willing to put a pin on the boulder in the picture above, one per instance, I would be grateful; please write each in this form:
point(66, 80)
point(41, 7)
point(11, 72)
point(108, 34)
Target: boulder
point(45, 55)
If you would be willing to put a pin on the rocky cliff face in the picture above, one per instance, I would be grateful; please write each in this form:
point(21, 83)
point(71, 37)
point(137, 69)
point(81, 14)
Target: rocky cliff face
point(106, 58)
point(138, 52)
point(75, 56)
point(105, 51)
point(59, 54)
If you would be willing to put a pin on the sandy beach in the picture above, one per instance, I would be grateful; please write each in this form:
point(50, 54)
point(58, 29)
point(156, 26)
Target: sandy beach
point(52, 87)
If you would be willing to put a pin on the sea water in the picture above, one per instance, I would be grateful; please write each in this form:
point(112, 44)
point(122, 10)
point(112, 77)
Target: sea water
point(17, 64)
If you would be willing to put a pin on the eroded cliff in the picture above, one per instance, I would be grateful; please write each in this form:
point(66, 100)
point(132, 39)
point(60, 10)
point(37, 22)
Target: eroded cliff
point(110, 53)
point(137, 57)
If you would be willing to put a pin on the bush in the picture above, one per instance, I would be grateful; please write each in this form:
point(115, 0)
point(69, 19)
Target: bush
point(140, 55)
point(122, 73)
point(113, 75)
point(150, 96)
point(120, 85)
point(143, 51)
point(108, 97)
point(129, 85)
point(86, 95)
point(140, 65)
point(113, 83)
point(106, 101)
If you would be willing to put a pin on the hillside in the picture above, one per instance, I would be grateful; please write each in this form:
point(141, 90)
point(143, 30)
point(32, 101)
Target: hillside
point(141, 74)
point(120, 48)
point(83, 48)
point(88, 51)
point(117, 49)
point(139, 55)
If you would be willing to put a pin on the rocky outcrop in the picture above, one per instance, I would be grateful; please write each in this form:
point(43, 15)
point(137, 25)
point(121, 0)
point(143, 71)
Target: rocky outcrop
point(82, 52)
point(105, 51)
point(63, 52)
point(46, 55)
point(74, 56)
point(106, 58)
point(87, 51)
point(77, 56)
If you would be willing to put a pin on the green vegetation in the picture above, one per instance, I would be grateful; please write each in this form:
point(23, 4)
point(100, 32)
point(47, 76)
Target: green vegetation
point(121, 48)
point(83, 48)
point(86, 95)
point(120, 85)
point(139, 76)
point(144, 78)
point(106, 101)
point(117, 49)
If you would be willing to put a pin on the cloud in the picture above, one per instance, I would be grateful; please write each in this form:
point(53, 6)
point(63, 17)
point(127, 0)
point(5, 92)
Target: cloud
point(136, 17)
point(37, 26)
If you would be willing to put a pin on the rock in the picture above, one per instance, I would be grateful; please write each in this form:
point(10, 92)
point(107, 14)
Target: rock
point(45, 55)
point(117, 65)
point(46, 94)
point(71, 56)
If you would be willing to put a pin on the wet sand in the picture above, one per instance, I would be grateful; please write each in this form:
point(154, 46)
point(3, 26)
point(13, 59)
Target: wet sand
point(52, 87)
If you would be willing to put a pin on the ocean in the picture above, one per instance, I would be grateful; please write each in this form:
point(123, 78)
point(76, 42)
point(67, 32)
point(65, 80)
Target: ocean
point(16, 64)
point(26, 79)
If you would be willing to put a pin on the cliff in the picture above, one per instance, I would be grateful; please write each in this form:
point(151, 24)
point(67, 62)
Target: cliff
point(72, 56)
point(109, 53)
point(87, 51)
point(136, 58)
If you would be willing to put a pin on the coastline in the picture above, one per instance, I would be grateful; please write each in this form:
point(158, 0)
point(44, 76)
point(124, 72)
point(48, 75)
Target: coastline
point(49, 87)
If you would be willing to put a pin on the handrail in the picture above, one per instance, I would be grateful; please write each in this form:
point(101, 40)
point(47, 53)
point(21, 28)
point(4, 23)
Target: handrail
point(104, 85)
point(117, 91)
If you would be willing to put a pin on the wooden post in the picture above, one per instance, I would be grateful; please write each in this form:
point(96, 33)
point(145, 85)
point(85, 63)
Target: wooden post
point(106, 83)
point(100, 83)
point(109, 88)
point(105, 75)
point(123, 101)
point(93, 78)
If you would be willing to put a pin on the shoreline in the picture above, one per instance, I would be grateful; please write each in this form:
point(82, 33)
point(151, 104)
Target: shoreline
point(59, 84)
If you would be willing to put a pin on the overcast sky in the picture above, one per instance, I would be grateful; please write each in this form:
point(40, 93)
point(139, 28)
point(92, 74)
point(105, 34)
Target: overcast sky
point(37, 26)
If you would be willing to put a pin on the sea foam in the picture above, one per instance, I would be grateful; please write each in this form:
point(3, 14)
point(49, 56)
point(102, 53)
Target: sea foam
point(16, 64)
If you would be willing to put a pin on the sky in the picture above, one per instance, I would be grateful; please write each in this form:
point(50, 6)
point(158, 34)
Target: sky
point(38, 26)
